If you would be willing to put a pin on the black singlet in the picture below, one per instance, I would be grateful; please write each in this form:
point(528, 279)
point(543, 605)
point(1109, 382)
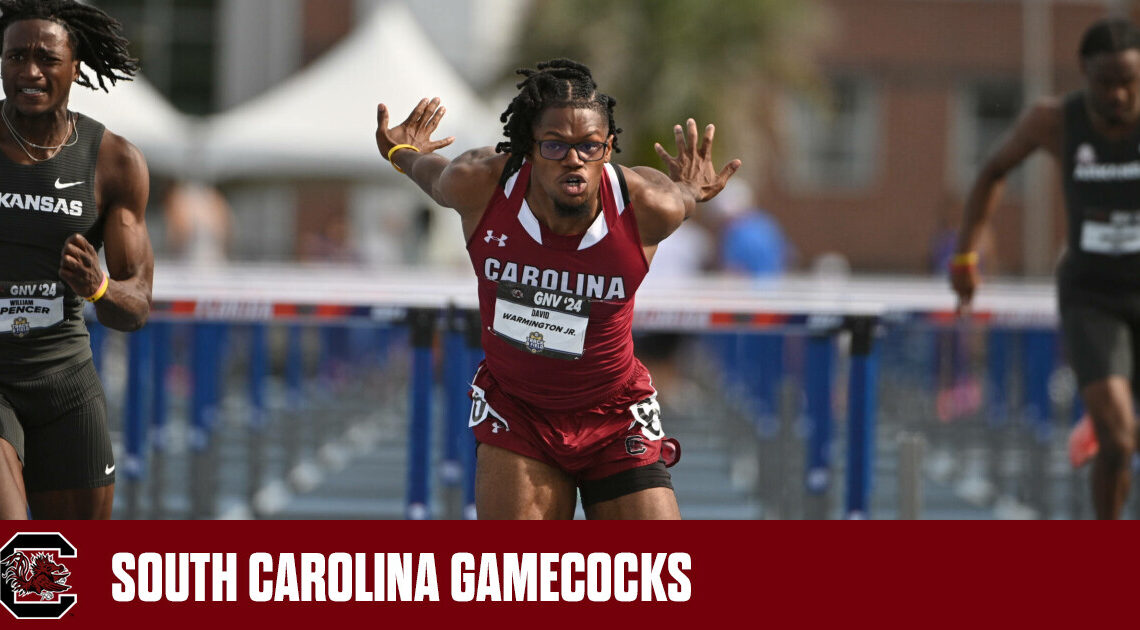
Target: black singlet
point(41, 205)
point(1101, 180)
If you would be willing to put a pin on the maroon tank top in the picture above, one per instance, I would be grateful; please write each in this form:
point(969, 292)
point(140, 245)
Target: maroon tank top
point(557, 310)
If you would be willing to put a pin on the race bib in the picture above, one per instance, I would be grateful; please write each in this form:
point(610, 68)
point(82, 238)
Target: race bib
point(540, 321)
point(1112, 232)
point(28, 306)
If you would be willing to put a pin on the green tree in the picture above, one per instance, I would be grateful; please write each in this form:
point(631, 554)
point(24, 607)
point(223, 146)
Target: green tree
point(720, 61)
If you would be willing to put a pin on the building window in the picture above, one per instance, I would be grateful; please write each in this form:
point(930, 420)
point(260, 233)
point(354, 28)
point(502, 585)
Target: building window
point(985, 111)
point(174, 41)
point(834, 142)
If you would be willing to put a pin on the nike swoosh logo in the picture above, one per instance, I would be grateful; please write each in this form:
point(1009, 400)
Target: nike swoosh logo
point(60, 185)
point(108, 470)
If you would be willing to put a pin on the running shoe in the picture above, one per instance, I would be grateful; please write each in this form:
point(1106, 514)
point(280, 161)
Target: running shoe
point(1082, 442)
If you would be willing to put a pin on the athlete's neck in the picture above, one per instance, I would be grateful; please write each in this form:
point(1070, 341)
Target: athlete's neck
point(49, 128)
point(1109, 128)
point(563, 220)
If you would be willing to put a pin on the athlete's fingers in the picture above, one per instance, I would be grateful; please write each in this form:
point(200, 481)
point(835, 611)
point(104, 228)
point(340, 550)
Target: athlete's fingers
point(439, 144)
point(429, 112)
point(74, 261)
point(381, 117)
point(662, 153)
point(705, 149)
point(417, 113)
point(433, 122)
point(691, 136)
point(965, 305)
point(729, 170)
point(78, 239)
point(679, 137)
point(78, 248)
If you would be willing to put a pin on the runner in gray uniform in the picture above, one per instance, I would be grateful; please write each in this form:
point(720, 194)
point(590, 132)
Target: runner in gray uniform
point(1094, 134)
point(67, 188)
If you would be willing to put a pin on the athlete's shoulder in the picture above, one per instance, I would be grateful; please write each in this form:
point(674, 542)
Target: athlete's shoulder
point(1051, 106)
point(121, 172)
point(656, 202)
point(1045, 113)
point(469, 181)
point(479, 161)
point(1041, 123)
point(120, 152)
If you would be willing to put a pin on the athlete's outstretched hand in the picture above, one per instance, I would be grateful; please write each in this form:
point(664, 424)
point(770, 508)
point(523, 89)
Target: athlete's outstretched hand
point(416, 130)
point(693, 165)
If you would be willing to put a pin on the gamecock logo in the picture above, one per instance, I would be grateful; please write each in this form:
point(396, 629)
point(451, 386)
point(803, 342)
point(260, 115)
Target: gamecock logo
point(33, 579)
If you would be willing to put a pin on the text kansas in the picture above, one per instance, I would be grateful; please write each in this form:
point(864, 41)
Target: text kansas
point(43, 203)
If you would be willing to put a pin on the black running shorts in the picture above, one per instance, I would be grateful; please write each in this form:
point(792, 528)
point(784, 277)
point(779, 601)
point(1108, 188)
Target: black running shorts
point(1101, 333)
point(57, 423)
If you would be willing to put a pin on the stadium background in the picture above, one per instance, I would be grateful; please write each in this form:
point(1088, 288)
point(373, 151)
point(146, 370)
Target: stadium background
point(860, 122)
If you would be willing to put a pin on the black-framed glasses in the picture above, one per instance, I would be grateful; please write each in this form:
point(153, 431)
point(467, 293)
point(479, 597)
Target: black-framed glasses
point(557, 150)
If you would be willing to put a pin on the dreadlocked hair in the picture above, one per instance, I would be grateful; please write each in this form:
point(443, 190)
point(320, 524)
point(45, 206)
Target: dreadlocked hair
point(95, 36)
point(555, 83)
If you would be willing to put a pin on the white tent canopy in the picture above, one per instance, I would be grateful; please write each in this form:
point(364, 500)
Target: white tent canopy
point(137, 112)
point(322, 121)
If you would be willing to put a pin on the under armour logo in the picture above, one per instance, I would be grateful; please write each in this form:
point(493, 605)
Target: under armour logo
point(502, 240)
point(495, 426)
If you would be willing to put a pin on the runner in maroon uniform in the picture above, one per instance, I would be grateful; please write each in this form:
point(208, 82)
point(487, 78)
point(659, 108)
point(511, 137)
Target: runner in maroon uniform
point(560, 240)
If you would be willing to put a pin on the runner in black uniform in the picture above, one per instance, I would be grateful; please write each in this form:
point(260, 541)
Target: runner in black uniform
point(67, 187)
point(1094, 135)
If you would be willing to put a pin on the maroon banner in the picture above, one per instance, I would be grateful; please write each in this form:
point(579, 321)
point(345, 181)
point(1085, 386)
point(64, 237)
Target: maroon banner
point(298, 574)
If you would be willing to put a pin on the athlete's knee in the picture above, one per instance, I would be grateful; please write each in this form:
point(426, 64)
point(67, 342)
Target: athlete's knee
point(1117, 440)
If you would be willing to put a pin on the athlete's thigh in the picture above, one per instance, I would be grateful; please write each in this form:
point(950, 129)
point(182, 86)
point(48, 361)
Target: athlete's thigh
point(74, 504)
point(649, 504)
point(13, 502)
point(67, 445)
point(1098, 342)
point(512, 486)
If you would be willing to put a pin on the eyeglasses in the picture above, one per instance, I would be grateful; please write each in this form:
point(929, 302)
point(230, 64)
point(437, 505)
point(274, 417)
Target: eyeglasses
point(557, 150)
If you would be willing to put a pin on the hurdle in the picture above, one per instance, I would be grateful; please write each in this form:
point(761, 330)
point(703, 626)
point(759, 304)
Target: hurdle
point(430, 306)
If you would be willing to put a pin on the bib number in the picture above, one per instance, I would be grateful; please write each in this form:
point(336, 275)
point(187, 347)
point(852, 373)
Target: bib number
point(1114, 232)
point(547, 323)
point(28, 306)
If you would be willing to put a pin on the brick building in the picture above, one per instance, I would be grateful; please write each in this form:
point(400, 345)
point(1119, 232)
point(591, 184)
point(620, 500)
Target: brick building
point(922, 90)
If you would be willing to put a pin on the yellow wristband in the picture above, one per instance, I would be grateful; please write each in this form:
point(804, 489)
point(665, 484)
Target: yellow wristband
point(965, 259)
point(393, 150)
point(101, 291)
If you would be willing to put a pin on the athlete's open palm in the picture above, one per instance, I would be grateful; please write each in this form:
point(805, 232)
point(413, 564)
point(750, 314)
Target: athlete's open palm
point(416, 130)
point(693, 164)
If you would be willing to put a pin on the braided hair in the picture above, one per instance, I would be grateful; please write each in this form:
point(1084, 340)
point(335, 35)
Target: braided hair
point(555, 83)
point(95, 36)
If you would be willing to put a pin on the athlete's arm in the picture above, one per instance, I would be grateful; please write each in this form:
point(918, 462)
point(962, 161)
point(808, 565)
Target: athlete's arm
point(122, 187)
point(464, 184)
point(663, 202)
point(1039, 127)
